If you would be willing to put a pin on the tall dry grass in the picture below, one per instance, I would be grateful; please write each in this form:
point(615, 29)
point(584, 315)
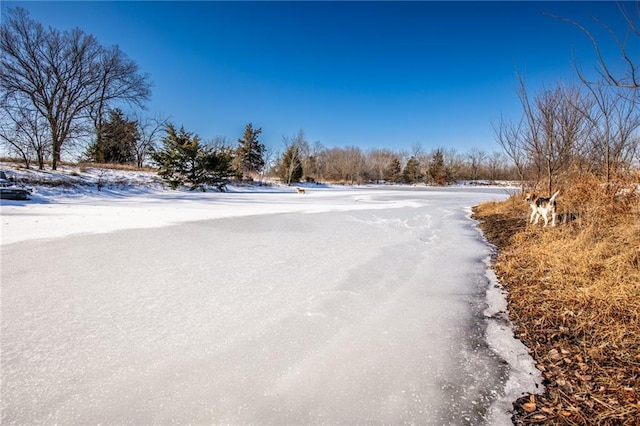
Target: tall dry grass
point(574, 297)
point(113, 166)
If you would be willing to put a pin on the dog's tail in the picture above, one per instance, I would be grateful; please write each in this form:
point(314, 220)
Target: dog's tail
point(553, 197)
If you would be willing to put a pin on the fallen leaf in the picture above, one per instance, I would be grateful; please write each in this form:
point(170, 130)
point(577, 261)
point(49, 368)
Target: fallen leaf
point(554, 355)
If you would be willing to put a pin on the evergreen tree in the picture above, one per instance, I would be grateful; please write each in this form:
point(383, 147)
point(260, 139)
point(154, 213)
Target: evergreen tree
point(394, 172)
point(291, 166)
point(250, 152)
point(437, 170)
point(117, 140)
point(411, 172)
point(183, 160)
point(216, 167)
point(176, 157)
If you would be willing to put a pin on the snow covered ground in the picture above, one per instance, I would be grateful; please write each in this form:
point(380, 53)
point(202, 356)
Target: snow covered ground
point(346, 305)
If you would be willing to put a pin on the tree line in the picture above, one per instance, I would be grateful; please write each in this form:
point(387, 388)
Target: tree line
point(61, 88)
point(312, 162)
point(183, 159)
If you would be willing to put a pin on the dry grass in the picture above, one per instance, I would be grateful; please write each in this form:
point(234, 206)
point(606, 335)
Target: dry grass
point(82, 165)
point(125, 167)
point(574, 297)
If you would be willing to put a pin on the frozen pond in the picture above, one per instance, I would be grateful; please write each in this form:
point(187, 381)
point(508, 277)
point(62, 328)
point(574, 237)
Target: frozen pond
point(339, 307)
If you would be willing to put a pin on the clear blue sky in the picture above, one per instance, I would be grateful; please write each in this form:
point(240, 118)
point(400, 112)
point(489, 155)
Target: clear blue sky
point(369, 74)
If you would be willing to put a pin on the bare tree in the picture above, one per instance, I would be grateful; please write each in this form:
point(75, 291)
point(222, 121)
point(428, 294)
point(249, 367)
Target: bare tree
point(562, 126)
point(344, 164)
point(291, 162)
point(417, 150)
point(476, 159)
point(354, 158)
point(625, 74)
point(625, 139)
point(119, 81)
point(25, 132)
point(315, 166)
point(453, 162)
point(551, 131)
point(270, 162)
point(614, 120)
point(496, 166)
point(511, 138)
point(378, 162)
point(615, 93)
point(331, 160)
point(65, 76)
point(529, 130)
point(150, 130)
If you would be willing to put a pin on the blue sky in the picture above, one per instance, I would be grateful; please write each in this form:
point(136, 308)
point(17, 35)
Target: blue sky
point(367, 74)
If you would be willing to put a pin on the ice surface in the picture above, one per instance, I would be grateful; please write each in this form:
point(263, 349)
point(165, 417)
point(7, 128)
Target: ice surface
point(523, 374)
point(353, 306)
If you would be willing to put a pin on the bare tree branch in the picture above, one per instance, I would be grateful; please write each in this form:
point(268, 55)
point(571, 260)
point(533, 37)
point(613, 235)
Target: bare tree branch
point(630, 78)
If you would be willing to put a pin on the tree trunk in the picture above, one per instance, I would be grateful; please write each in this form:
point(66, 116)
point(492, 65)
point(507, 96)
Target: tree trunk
point(549, 176)
point(56, 155)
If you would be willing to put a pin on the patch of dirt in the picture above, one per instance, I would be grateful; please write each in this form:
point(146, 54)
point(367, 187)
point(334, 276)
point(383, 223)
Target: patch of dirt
point(499, 229)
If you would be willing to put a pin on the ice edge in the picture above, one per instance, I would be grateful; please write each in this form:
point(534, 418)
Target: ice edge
point(523, 376)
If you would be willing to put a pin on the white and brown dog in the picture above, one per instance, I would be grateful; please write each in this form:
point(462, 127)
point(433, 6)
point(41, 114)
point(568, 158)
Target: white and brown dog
point(300, 190)
point(542, 207)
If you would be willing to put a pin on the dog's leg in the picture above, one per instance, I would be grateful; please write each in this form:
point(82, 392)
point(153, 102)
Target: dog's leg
point(533, 213)
point(537, 218)
point(553, 218)
point(543, 214)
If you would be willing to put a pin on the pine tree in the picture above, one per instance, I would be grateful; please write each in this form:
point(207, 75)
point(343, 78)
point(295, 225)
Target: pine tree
point(394, 172)
point(411, 172)
point(216, 163)
point(250, 152)
point(116, 141)
point(176, 156)
point(183, 160)
point(437, 170)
